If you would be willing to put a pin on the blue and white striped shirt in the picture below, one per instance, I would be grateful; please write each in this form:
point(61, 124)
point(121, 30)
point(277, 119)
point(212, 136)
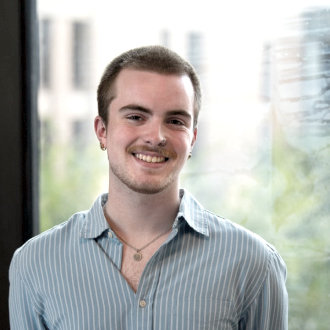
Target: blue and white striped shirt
point(209, 274)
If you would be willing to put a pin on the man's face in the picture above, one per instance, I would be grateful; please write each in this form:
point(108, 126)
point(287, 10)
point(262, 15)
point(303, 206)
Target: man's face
point(148, 108)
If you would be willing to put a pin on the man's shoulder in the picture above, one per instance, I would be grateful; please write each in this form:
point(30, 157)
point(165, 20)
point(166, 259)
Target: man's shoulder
point(221, 229)
point(246, 252)
point(32, 253)
point(235, 237)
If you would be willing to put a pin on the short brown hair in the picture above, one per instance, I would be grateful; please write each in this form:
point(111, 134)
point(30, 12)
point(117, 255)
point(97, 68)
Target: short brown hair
point(150, 58)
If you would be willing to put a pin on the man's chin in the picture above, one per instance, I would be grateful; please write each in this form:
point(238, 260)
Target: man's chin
point(147, 190)
point(144, 185)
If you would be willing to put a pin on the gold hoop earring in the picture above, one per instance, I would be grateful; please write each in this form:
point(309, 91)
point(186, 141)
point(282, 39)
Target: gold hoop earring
point(103, 148)
point(189, 156)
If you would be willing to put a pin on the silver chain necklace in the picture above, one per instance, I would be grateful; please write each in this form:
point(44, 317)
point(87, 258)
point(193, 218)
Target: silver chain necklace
point(137, 255)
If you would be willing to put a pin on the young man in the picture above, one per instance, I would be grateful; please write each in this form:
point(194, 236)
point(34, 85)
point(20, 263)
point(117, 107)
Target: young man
point(147, 255)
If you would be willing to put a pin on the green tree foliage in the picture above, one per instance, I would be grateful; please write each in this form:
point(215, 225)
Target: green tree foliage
point(70, 180)
point(302, 211)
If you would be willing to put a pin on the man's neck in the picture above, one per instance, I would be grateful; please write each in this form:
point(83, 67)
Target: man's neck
point(131, 213)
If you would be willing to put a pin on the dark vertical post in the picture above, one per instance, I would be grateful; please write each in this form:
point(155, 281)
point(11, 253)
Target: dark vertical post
point(30, 122)
point(18, 135)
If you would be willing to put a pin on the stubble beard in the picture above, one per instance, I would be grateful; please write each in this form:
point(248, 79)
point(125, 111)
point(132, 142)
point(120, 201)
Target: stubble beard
point(149, 187)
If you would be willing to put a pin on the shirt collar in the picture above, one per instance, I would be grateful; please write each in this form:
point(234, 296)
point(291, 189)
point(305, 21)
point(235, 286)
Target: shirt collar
point(193, 213)
point(94, 222)
point(190, 210)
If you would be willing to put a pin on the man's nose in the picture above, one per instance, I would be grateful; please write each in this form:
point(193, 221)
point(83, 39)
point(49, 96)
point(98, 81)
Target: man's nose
point(154, 133)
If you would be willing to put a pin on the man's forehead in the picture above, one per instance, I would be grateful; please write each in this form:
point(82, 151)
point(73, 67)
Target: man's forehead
point(131, 71)
point(130, 79)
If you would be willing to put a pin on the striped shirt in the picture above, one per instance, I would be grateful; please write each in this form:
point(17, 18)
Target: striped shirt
point(209, 274)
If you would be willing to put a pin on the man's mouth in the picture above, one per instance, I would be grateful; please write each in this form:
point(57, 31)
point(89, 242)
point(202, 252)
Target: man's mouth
point(150, 159)
point(151, 154)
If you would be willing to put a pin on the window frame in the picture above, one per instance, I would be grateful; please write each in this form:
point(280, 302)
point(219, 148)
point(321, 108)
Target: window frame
point(19, 134)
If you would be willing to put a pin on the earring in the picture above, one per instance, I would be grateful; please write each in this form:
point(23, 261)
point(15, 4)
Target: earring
point(102, 146)
point(189, 156)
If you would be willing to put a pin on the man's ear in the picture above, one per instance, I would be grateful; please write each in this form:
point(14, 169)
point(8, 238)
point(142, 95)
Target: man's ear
point(194, 138)
point(100, 130)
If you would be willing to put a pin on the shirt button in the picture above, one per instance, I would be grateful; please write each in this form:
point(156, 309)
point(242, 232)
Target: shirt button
point(110, 234)
point(143, 303)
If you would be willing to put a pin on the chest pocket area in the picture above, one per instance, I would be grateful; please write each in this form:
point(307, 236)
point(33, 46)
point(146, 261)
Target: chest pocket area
point(203, 314)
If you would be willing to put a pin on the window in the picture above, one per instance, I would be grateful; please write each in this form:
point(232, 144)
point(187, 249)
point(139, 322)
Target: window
point(80, 54)
point(165, 38)
point(263, 150)
point(45, 53)
point(195, 50)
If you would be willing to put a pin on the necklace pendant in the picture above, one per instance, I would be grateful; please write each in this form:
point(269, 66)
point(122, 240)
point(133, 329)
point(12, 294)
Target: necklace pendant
point(137, 256)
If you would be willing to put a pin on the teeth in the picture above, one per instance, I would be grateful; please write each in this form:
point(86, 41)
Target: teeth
point(150, 159)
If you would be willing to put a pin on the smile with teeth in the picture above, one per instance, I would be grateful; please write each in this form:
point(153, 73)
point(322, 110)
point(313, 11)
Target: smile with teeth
point(150, 159)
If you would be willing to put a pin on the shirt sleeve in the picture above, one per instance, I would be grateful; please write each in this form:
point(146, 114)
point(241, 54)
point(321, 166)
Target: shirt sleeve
point(22, 307)
point(269, 310)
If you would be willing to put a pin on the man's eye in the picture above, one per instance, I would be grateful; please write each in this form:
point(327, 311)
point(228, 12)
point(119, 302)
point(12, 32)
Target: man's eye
point(133, 117)
point(176, 122)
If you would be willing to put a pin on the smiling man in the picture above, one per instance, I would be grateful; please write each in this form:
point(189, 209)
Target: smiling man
point(147, 255)
point(149, 131)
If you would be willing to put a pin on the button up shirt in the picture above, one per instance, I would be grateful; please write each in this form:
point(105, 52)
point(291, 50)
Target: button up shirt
point(209, 274)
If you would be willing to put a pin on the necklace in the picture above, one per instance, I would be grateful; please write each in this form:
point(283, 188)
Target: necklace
point(137, 255)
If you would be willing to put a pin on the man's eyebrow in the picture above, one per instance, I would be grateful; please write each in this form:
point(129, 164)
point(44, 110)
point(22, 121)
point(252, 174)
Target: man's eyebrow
point(135, 107)
point(183, 113)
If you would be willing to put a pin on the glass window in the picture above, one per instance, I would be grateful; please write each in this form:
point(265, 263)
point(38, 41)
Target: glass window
point(80, 54)
point(263, 149)
point(195, 51)
point(45, 52)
